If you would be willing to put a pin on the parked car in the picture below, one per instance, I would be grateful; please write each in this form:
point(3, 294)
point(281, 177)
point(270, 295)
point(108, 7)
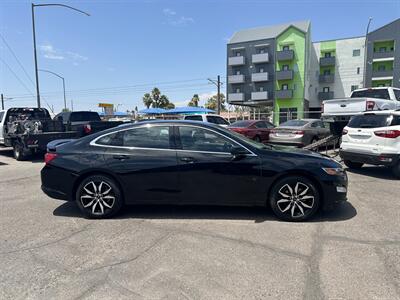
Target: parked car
point(84, 122)
point(208, 118)
point(372, 138)
point(299, 132)
point(257, 130)
point(182, 162)
point(339, 111)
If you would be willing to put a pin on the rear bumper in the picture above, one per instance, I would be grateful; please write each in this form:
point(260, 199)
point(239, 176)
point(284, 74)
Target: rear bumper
point(384, 159)
point(57, 183)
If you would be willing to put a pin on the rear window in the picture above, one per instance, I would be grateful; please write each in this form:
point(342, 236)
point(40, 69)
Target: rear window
point(84, 116)
point(378, 93)
point(240, 124)
point(373, 121)
point(194, 118)
point(295, 123)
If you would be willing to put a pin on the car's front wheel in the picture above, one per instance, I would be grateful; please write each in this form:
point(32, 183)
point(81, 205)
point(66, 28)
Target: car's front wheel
point(294, 198)
point(352, 164)
point(99, 196)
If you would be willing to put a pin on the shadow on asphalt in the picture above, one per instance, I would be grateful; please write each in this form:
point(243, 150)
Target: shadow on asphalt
point(374, 171)
point(36, 158)
point(343, 212)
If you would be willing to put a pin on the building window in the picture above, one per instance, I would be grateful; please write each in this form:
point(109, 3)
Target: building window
point(354, 87)
point(356, 52)
point(358, 70)
point(238, 72)
point(262, 51)
point(382, 49)
point(381, 68)
point(327, 72)
point(327, 54)
point(238, 90)
point(261, 89)
point(261, 70)
point(285, 67)
point(294, 86)
point(285, 48)
point(325, 89)
point(285, 87)
point(238, 53)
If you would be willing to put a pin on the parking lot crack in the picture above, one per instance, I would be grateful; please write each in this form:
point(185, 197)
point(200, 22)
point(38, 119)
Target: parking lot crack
point(357, 241)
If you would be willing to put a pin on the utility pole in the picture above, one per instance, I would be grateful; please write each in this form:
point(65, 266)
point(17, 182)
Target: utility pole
point(72, 105)
point(34, 41)
point(218, 84)
point(365, 54)
point(2, 102)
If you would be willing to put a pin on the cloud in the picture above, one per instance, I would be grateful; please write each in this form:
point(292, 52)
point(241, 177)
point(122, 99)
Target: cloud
point(174, 19)
point(50, 52)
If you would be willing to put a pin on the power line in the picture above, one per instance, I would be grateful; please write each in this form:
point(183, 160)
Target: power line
point(16, 76)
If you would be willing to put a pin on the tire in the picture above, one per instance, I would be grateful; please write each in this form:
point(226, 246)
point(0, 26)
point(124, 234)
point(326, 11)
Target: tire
point(96, 205)
point(257, 139)
point(18, 152)
point(294, 198)
point(396, 170)
point(353, 165)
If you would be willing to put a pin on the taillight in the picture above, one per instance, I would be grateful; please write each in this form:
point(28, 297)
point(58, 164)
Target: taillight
point(344, 131)
point(298, 132)
point(48, 157)
point(390, 134)
point(369, 105)
point(87, 128)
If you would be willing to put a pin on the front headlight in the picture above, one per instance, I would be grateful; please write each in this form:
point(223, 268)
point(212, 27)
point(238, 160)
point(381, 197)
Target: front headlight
point(334, 171)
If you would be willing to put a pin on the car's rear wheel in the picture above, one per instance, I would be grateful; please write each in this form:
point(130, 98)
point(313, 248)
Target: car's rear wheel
point(353, 164)
point(294, 198)
point(18, 152)
point(99, 196)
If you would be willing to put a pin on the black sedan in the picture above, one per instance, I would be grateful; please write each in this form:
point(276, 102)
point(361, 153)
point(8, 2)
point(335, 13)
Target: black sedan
point(185, 162)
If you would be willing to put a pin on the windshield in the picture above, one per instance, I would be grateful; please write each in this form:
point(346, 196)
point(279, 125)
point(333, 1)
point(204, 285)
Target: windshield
point(246, 140)
point(294, 123)
point(241, 124)
point(370, 121)
point(371, 93)
point(84, 116)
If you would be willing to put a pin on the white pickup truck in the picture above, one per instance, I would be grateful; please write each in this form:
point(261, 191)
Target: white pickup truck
point(339, 111)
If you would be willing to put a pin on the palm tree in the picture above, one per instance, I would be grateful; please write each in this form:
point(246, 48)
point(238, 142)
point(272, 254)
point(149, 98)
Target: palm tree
point(147, 100)
point(156, 96)
point(194, 101)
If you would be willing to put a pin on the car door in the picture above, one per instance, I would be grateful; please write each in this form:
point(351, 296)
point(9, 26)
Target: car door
point(209, 174)
point(262, 130)
point(145, 162)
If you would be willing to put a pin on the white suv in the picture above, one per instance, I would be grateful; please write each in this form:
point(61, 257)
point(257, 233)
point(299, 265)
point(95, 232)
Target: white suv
point(215, 119)
point(372, 138)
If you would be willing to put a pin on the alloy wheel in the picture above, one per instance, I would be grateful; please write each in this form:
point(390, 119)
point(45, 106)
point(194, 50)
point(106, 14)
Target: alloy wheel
point(296, 199)
point(98, 197)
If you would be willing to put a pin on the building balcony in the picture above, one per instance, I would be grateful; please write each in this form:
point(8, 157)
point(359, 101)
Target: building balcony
point(232, 79)
point(284, 75)
point(284, 55)
point(259, 96)
point(327, 61)
point(326, 78)
point(258, 77)
point(233, 97)
point(284, 94)
point(260, 58)
point(386, 73)
point(386, 54)
point(236, 61)
point(325, 95)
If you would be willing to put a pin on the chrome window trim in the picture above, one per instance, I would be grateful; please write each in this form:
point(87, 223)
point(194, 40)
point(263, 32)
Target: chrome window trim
point(93, 142)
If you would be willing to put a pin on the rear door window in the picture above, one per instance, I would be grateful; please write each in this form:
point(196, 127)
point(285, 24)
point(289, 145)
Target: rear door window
point(156, 137)
point(217, 120)
point(194, 118)
point(370, 121)
point(397, 94)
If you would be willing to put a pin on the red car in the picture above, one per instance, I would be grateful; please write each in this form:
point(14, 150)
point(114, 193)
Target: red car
point(257, 130)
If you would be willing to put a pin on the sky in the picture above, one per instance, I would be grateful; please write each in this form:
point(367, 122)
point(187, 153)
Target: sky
point(125, 48)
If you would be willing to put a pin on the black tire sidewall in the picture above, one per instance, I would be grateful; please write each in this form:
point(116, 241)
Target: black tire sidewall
point(274, 197)
point(117, 193)
point(353, 165)
point(396, 170)
point(18, 152)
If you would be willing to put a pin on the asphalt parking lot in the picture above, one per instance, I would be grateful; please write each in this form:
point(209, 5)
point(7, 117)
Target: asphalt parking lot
point(49, 251)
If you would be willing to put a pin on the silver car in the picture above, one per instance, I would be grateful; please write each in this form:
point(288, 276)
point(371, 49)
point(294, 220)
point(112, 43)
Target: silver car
point(299, 132)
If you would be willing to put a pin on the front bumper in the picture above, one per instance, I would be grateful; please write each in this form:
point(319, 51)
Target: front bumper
point(384, 159)
point(334, 191)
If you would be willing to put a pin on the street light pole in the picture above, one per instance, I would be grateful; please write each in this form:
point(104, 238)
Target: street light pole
point(34, 41)
point(63, 80)
point(365, 53)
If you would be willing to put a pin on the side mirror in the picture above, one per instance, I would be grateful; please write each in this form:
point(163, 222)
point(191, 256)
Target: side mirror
point(238, 152)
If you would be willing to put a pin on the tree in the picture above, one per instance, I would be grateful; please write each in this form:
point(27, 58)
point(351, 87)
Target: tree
point(147, 100)
point(194, 101)
point(213, 102)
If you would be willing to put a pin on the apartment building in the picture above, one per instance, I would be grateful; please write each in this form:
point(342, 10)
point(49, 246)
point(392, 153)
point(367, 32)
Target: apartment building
point(279, 66)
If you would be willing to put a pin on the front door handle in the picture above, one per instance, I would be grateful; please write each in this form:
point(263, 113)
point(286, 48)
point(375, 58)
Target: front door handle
point(121, 157)
point(189, 160)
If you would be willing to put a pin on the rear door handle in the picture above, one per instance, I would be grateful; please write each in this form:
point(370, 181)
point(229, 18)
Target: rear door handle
point(187, 159)
point(121, 157)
